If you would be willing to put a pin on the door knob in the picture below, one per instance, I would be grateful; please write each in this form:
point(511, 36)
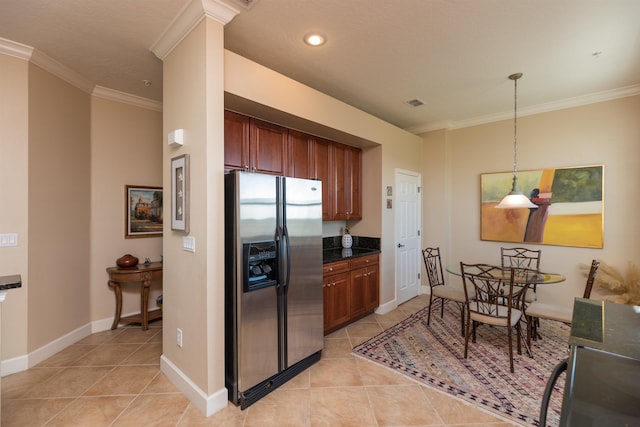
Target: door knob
point(400, 245)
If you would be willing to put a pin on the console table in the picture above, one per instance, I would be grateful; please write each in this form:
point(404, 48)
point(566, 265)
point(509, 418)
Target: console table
point(141, 275)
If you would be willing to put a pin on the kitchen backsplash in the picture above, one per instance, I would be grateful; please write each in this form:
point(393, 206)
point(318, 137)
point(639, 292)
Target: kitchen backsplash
point(335, 242)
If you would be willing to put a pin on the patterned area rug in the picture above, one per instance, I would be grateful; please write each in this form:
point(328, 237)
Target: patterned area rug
point(434, 355)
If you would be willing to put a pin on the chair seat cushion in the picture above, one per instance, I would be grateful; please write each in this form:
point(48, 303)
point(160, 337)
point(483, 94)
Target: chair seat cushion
point(549, 311)
point(530, 296)
point(498, 320)
point(449, 292)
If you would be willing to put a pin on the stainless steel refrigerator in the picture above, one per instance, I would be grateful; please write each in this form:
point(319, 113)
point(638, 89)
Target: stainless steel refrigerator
point(273, 281)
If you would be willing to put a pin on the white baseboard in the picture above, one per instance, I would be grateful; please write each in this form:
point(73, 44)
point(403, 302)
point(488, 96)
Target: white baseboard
point(208, 405)
point(22, 363)
point(11, 366)
point(387, 307)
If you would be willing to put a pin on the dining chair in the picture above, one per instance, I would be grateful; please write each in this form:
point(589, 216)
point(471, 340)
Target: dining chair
point(522, 260)
point(539, 310)
point(493, 303)
point(439, 290)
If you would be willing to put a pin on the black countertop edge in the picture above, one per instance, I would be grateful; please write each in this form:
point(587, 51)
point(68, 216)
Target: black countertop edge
point(339, 254)
point(361, 242)
point(10, 282)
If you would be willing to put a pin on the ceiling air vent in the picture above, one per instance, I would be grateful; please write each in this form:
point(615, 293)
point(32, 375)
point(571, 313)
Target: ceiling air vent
point(416, 102)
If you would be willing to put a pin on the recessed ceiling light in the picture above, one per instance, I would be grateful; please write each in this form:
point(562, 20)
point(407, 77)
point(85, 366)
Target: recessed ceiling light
point(315, 39)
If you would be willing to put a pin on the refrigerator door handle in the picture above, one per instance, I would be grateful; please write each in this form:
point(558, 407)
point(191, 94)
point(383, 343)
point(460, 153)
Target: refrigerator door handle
point(280, 242)
point(287, 259)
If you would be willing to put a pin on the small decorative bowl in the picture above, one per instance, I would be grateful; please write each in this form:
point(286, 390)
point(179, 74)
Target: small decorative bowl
point(127, 261)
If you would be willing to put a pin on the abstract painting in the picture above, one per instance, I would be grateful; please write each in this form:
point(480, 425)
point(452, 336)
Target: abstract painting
point(570, 208)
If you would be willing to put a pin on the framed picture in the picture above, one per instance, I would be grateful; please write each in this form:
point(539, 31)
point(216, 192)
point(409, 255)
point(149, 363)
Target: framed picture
point(180, 193)
point(143, 215)
point(570, 208)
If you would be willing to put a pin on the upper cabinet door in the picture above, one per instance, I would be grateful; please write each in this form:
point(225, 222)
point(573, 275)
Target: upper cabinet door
point(268, 147)
point(300, 155)
point(355, 160)
point(236, 141)
point(322, 170)
point(347, 203)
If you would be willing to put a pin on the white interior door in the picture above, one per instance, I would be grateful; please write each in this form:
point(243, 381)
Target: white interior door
point(408, 220)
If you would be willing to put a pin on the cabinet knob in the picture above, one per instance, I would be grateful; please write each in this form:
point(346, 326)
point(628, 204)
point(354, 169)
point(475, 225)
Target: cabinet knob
point(330, 268)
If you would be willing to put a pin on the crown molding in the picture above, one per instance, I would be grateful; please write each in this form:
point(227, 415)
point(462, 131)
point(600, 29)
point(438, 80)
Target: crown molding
point(187, 19)
point(28, 53)
point(67, 74)
point(126, 98)
point(15, 49)
point(607, 95)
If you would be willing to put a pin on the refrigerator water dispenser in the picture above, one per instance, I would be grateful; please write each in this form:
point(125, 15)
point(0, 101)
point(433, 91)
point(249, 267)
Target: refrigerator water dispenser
point(260, 265)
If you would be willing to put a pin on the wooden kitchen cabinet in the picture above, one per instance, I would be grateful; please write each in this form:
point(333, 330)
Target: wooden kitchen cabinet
point(350, 291)
point(236, 141)
point(363, 291)
point(268, 147)
point(347, 198)
point(300, 155)
point(322, 170)
point(335, 288)
point(254, 145)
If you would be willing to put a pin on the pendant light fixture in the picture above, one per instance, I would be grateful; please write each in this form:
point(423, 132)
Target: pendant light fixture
point(515, 199)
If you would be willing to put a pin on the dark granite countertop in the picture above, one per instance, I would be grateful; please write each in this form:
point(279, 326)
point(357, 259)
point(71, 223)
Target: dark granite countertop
point(362, 246)
point(335, 255)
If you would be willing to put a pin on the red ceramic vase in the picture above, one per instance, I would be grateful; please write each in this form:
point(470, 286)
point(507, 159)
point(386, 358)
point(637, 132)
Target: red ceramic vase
point(126, 261)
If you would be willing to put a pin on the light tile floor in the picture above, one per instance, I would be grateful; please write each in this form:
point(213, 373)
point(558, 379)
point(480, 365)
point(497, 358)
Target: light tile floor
point(113, 378)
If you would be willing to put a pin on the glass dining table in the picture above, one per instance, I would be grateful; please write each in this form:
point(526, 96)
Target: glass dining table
point(522, 276)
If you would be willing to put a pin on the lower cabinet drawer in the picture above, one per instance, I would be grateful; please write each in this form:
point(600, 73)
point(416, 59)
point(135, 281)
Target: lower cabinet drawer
point(335, 267)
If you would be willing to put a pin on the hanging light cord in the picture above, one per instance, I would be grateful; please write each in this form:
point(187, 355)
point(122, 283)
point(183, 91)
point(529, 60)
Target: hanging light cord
point(515, 78)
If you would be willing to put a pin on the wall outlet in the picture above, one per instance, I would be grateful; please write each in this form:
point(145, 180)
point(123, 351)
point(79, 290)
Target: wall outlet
point(179, 337)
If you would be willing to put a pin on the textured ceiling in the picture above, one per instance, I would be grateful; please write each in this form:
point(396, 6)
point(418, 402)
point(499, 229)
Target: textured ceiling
point(455, 55)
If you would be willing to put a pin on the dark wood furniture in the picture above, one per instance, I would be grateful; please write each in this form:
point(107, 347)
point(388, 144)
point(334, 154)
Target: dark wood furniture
point(347, 201)
point(350, 289)
point(141, 275)
point(254, 145)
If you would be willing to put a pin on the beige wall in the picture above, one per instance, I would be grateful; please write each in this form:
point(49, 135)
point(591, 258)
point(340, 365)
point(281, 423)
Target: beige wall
point(14, 193)
point(602, 133)
point(126, 149)
point(59, 207)
point(194, 282)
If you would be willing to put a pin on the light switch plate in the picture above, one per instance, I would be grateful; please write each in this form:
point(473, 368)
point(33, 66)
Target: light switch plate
point(189, 243)
point(9, 239)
